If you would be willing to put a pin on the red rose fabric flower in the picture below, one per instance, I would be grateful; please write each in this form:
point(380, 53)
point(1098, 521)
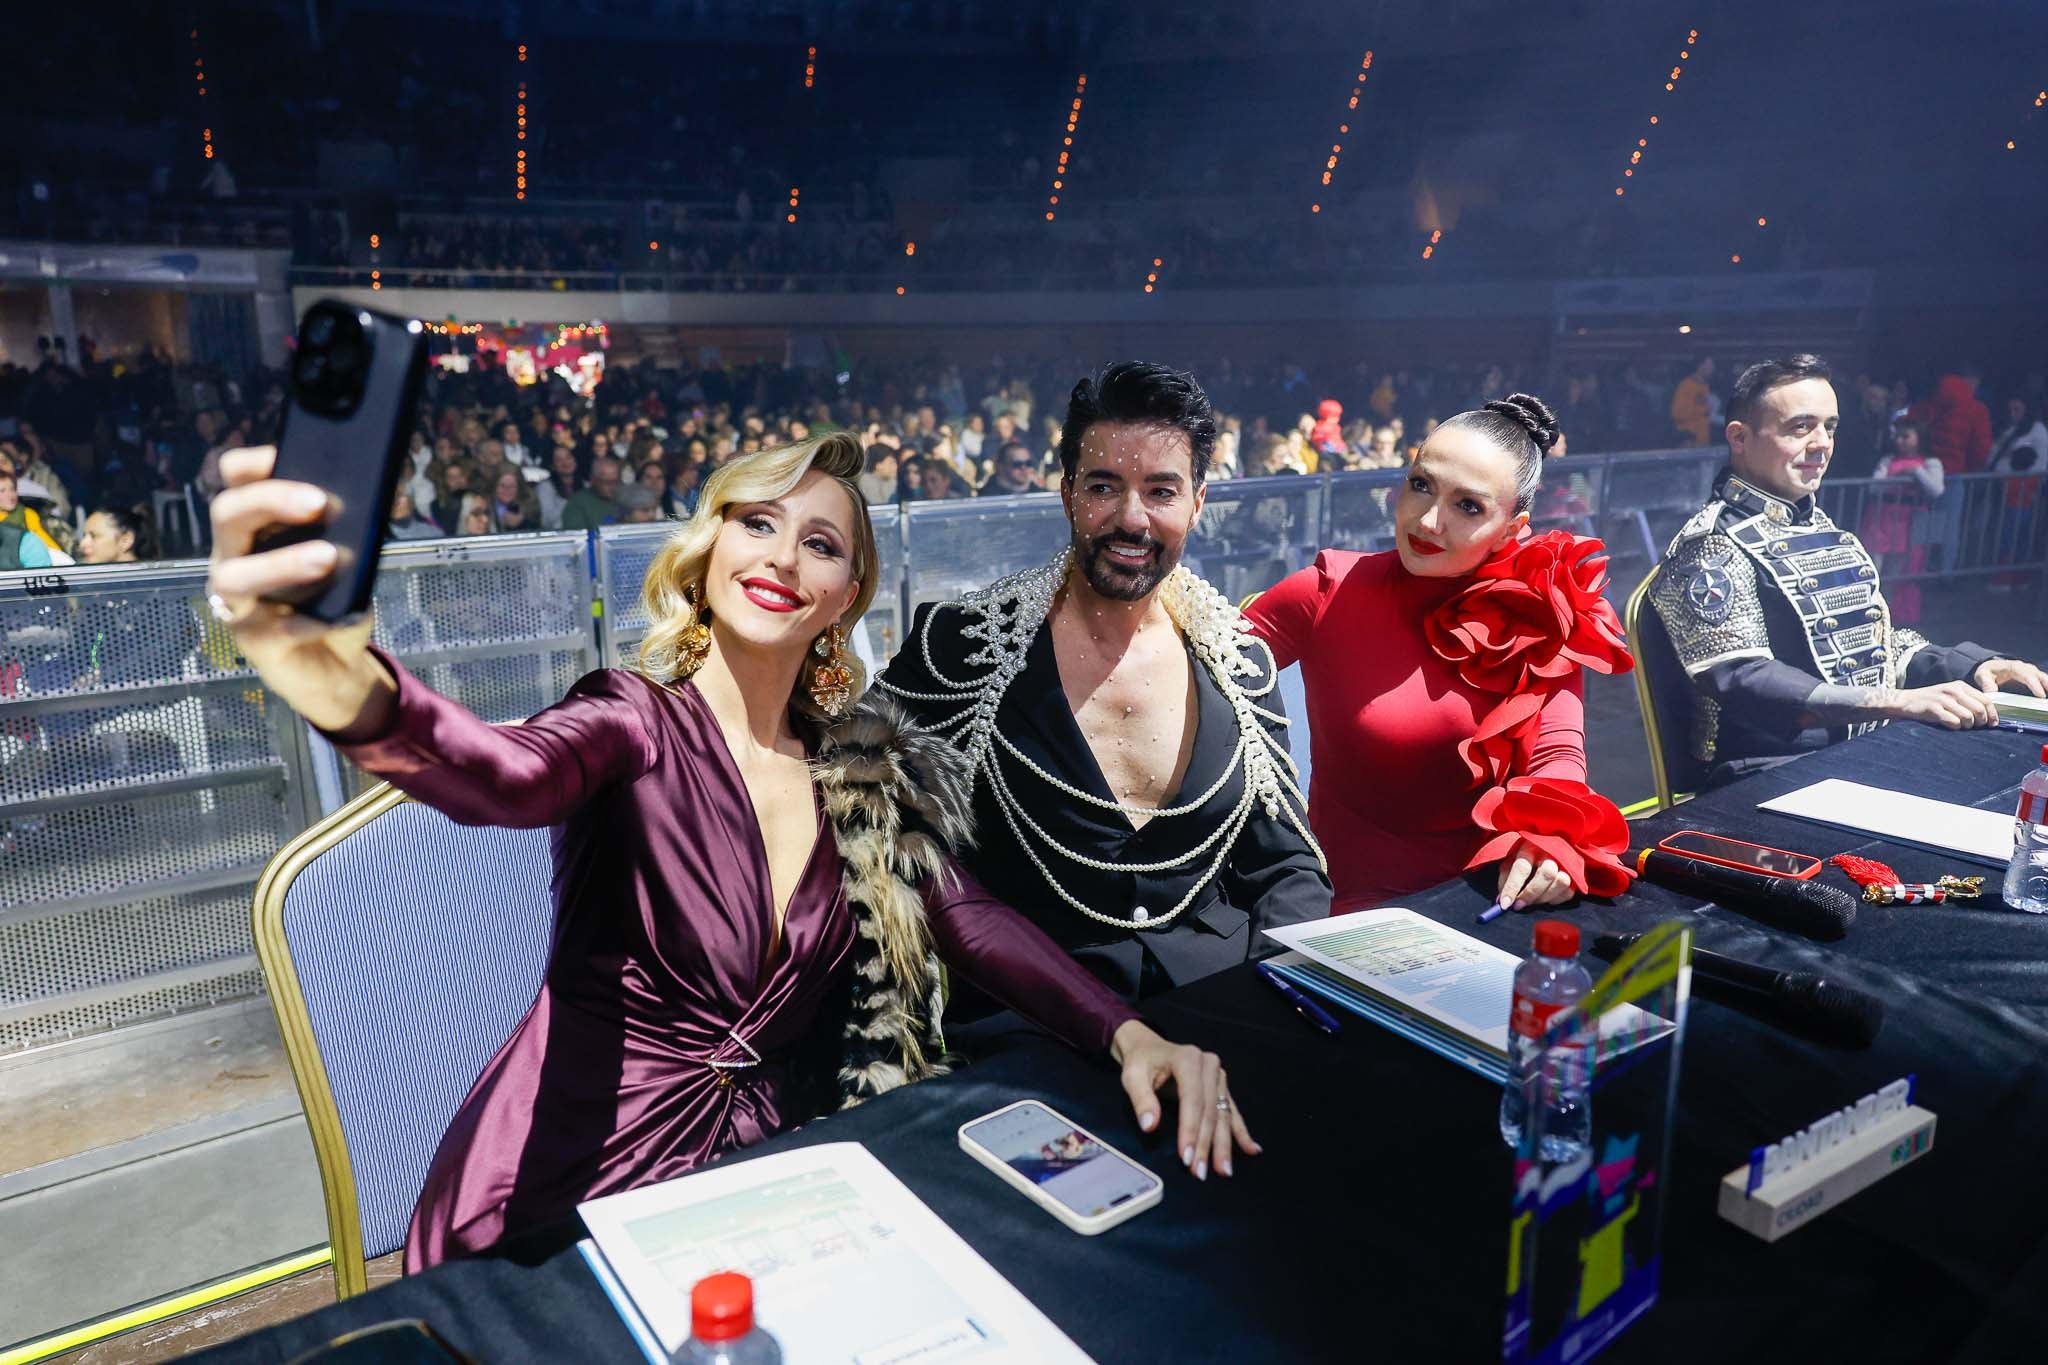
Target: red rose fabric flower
point(1532, 614)
point(1568, 822)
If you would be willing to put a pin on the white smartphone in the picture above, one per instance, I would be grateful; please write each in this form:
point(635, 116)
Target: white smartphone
point(1058, 1165)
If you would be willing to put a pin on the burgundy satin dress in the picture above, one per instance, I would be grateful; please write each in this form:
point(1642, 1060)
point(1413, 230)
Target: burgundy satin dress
point(660, 966)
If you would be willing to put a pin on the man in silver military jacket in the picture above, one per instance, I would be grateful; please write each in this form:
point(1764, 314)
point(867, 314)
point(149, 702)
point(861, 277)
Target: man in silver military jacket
point(1776, 613)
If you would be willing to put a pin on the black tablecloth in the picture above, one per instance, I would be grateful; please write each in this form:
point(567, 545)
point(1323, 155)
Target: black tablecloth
point(1374, 1227)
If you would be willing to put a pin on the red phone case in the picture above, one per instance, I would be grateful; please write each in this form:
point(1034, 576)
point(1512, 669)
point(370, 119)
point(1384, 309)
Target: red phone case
point(1815, 864)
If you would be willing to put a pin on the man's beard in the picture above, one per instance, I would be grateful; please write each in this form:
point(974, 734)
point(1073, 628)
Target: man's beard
point(1121, 582)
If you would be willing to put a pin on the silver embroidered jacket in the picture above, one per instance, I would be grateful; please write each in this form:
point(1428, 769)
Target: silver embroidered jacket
point(1765, 600)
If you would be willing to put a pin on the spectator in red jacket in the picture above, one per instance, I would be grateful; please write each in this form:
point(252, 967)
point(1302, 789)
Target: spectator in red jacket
point(1958, 424)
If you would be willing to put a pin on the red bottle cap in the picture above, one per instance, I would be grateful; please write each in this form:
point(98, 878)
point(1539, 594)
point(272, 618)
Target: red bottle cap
point(722, 1305)
point(2044, 753)
point(1556, 938)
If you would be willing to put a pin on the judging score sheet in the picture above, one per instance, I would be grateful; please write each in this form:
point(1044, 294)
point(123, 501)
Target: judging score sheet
point(849, 1267)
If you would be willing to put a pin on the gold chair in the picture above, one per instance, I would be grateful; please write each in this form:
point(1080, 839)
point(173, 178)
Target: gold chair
point(400, 951)
point(1656, 692)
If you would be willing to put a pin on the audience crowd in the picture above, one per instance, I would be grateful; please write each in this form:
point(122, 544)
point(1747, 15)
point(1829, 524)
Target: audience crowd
point(92, 437)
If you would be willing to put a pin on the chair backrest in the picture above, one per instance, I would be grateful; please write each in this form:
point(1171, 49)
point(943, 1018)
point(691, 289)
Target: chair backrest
point(401, 949)
point(1665, 695)
point(1296, 698)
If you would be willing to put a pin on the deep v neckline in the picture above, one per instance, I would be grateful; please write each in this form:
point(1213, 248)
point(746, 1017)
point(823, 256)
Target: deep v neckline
point(778, 924)
point(1059, 703)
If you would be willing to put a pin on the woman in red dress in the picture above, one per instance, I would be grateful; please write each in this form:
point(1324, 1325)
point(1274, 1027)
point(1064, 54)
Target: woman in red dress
point(1446, 718)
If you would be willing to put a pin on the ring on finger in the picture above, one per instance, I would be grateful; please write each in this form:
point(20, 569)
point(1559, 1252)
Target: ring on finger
point(1223, 1104)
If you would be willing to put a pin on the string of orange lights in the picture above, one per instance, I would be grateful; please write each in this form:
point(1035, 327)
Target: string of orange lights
point(206, 143)
point(1344, 127)
point(519, 161)
point(793, 193)
point(1059, 175)
point(2011, 144)
point(1677, 73)
point(810, 66)
point(1152, 275)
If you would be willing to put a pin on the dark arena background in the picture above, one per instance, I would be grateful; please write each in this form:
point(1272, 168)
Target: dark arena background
point(648, 237)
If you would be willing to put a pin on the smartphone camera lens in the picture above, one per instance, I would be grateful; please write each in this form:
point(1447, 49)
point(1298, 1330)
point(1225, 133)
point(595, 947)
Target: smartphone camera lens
point(331, 369)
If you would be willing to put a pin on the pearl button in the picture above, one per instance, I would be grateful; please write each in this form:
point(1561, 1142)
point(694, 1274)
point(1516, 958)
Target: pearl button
point(1140, 913)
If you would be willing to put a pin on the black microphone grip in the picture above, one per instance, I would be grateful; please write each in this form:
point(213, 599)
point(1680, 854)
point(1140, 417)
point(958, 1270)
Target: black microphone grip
point(1787, 902)
point(1811, 1003)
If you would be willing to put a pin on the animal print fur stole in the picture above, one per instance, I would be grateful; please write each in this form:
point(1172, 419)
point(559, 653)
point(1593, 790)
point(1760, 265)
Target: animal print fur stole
point(900, 800)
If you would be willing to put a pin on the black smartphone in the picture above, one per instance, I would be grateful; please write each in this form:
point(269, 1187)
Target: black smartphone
point(355, 393)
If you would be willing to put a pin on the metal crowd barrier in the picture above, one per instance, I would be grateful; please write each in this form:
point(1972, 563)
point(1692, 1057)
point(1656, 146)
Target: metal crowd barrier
point(146, 776)
point(501, 624)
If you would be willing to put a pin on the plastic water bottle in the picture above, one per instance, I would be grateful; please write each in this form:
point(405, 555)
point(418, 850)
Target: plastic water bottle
point(1550, 980)
point(2026, 876)
point(722, 1330)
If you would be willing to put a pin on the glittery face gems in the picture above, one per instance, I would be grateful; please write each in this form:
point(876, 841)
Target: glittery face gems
point(1131, 504)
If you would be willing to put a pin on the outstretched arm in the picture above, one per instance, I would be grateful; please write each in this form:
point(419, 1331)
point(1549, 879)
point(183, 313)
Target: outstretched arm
point(389, 722)
point(519, 776)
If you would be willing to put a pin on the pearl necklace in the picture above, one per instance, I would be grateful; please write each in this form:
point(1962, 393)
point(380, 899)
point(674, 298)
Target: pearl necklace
point(1004, 617)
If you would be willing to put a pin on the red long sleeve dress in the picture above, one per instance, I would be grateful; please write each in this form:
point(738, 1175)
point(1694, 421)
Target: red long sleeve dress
point(1445, 714)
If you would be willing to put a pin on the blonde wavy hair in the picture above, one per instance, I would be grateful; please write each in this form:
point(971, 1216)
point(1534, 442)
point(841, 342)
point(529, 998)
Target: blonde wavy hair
point(680, 564)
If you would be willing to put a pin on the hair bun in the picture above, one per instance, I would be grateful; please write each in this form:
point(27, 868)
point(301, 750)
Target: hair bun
point(1533, 414)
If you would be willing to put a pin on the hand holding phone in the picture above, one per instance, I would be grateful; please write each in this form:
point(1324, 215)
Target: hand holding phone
point(297, 528)
point(355, 391)
point(325, 673)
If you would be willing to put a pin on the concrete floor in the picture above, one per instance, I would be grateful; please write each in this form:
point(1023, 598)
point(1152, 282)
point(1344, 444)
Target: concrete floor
point(138, 1164)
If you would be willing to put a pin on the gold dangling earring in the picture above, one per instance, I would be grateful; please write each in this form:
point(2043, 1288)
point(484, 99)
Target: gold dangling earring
point(832, 680)
point(696, 641)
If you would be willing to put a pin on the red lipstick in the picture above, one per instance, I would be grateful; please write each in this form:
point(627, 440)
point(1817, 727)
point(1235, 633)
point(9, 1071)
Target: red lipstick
point(769, 595)
point(1423, 547)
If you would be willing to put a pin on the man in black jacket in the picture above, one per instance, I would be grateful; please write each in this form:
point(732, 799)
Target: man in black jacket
point(1776, 613)
point(1133, 794)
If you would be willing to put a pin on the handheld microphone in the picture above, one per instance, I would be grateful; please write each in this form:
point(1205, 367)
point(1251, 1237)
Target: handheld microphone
point(1787, 902)
point(1810, 1003)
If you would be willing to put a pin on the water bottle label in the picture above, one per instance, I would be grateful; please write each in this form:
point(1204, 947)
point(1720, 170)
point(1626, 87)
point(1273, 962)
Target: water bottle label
point(1530, 1018)
point(2033, 807)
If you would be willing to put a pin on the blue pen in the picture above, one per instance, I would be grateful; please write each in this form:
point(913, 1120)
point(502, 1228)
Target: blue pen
point(1305, 1007)
point(1492, 913)
point(2024, 727)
